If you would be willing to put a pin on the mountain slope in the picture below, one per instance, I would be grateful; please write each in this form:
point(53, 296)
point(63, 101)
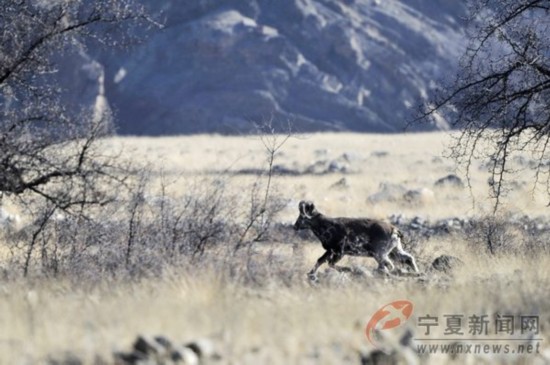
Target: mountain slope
point(220, 66)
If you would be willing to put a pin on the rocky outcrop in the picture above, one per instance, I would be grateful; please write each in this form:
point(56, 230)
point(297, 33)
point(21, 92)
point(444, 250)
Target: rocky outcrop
point(322, 65)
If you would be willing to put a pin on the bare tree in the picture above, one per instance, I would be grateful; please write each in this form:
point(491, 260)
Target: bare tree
point(500, 99)
point(264, 207)
point(49, 156)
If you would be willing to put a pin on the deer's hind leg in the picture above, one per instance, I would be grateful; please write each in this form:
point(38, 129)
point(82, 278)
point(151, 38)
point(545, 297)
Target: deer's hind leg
point(384, 263)
point(382, 248)
point(403, 255)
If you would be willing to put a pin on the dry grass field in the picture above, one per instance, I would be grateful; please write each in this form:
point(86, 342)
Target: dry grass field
point(265, 311)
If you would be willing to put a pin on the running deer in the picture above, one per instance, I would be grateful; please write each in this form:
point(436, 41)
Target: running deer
point(354, 237)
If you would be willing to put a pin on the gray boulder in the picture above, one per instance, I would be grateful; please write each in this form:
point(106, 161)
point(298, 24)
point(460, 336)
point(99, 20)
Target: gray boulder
point(387, 192)
point(450, 180)
point(419, 196)
point(446, 263)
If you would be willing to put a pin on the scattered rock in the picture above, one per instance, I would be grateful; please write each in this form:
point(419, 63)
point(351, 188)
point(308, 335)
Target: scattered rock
point(204, 348)
point(420, 227)
point(185, 355)
point(419, 196)
point(350, 157)
point(398, 219)
point(283, 170)
point(328, 167)
point(337, 167)
point(450, 225)
point(66, 359)
point(418, 223)
point(163, 341)
point(446, 263)
point(378, 357)
point(317, 168)
point(379, 154)
point(340, 165)
point(321, 152)
point(387, 192)
point(151, 346)
point(277, 170)
point(131, 358)
point(450, 180)
point(160, 350)
point(341, 184)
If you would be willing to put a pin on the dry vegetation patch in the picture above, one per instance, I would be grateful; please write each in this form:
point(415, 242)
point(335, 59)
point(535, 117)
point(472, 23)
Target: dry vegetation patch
point(191, 254)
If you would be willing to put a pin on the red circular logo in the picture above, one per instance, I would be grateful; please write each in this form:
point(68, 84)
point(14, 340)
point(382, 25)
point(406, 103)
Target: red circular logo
point(390, 316)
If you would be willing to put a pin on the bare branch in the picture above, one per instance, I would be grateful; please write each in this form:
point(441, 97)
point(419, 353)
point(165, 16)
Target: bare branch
point(502, 93)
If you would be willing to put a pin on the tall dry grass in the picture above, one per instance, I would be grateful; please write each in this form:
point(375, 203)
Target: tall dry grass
point(256, 302)
point(275, 317)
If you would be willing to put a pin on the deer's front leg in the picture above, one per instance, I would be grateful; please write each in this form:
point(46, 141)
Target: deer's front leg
point(334, 258)
point(320, 261)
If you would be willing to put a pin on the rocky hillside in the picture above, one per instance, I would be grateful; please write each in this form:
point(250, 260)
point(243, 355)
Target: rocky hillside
point(221, 66)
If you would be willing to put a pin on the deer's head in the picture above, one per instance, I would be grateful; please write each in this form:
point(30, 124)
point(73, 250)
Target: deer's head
point(307, 213)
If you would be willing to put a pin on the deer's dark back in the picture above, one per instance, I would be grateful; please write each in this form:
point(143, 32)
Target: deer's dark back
point(352, 236)
point(336, 233)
